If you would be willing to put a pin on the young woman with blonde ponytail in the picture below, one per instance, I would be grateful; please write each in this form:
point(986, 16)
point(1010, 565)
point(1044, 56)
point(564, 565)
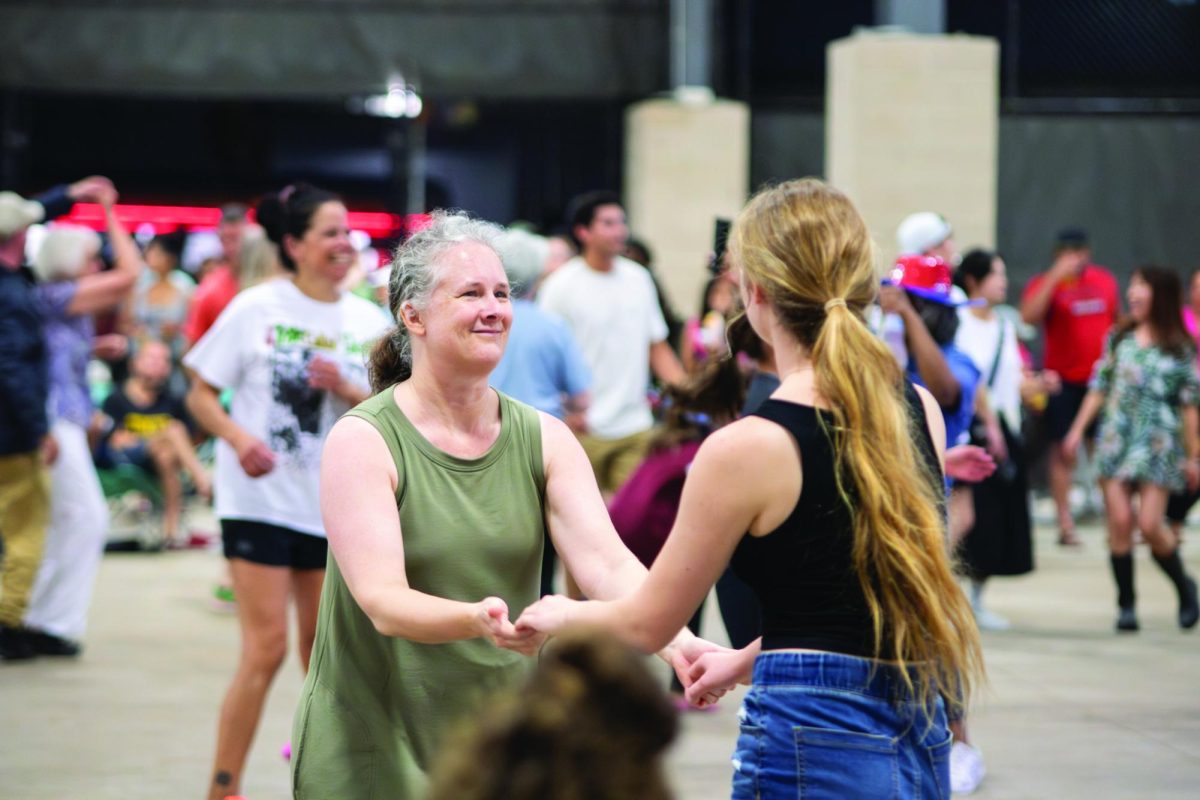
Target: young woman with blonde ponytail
point(828, 501)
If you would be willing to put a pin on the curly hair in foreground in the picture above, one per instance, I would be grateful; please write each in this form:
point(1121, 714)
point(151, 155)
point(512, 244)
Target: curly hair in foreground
point(591, 723)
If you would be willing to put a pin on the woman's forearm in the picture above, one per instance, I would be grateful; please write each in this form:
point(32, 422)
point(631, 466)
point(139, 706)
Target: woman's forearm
point(404, 613)
point(205, 407)
point(1092, 402)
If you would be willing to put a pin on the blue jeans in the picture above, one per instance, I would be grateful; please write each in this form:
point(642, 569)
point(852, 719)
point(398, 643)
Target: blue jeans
point(820, 725)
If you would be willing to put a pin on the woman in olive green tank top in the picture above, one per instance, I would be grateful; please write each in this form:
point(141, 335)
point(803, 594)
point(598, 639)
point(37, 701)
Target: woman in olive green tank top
point(434, 494)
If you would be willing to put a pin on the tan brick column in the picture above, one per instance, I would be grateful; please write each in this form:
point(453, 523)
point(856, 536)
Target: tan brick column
point(685, 164)
point(911, 125)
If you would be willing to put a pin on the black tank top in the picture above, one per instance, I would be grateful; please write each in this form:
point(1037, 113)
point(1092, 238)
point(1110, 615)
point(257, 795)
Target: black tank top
point(802, 572)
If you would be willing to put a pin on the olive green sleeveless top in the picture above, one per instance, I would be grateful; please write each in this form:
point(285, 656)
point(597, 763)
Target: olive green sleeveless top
point(374, 708)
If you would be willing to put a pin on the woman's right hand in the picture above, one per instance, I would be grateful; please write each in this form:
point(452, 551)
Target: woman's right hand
point(1070, 446)
point(492, 617)
point(716, 672)
point(254, 456)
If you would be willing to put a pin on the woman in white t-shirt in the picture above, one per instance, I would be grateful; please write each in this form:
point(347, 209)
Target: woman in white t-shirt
point(1000, 542)
point(294, 352)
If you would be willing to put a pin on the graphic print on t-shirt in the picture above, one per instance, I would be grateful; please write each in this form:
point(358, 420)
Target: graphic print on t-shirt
point(294, 420)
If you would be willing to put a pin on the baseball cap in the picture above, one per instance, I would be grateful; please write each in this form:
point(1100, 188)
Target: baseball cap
point(927, 277)
point(921, 231)
point(1073, 238)
point(17, 213)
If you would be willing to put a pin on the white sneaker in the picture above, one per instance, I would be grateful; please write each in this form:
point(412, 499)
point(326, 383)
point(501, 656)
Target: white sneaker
point(990, 620)
point(966, 768)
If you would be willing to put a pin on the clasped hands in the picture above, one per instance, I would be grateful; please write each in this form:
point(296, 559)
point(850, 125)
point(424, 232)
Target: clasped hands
point(706, 670)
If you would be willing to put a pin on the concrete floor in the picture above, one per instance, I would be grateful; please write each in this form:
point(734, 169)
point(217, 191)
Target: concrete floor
point(1071, 711)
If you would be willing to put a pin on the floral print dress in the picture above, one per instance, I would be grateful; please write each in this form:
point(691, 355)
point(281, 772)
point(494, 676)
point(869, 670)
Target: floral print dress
point(1141, 437)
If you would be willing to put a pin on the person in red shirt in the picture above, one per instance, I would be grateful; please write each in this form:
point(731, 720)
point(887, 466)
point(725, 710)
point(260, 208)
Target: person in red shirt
point(1077, 302)
point(219, 286)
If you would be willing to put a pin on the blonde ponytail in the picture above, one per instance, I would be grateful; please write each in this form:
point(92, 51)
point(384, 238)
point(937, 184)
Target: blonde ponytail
point(809, 250)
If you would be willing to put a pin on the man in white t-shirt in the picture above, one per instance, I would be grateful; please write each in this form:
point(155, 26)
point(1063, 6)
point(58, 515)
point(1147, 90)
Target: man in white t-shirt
point(611, 306)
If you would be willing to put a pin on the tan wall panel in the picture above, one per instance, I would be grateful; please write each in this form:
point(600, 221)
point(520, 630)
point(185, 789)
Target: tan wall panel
point(912, 125)
point(685, 165)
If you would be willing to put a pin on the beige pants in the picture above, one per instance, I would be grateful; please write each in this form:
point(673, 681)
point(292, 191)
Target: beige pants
point(614, 460)
point(24, 514)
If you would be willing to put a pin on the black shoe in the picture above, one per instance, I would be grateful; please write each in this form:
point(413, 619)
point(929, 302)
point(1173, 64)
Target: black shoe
point(1127, 621)
point(1189, 607)
point(47, 644)
point(15, 644)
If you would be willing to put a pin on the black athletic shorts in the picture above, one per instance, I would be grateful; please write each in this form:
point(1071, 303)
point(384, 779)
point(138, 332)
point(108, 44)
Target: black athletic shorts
point(1180, 504)
point(1061, 409)
point(273, 545)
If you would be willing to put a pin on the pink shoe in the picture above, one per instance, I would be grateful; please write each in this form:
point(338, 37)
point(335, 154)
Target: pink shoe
point(286, 752)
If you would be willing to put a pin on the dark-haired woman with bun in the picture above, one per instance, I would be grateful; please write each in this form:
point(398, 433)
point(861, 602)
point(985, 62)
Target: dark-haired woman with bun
point(294, 352)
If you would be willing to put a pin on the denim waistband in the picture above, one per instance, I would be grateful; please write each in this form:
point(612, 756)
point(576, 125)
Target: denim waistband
point(829, 671)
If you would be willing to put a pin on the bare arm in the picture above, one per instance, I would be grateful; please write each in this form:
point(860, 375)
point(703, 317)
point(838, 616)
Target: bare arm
point(935, 422)
point(1191, 438)
point(575, 408)
point(720, 502)
point(204, 403)
point(1088, 410)
point(358, 505)
point(578, 520)
point(931, 364)
point(996, 445)
point(1036, 305)
point(106, 290)
point(665, 364)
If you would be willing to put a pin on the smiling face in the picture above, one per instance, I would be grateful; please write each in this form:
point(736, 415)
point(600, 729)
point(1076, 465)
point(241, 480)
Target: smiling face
point(324, 250)
point(469, 313)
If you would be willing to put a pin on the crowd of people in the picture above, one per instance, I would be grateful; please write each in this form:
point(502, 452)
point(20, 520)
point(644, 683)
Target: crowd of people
point(405, 462)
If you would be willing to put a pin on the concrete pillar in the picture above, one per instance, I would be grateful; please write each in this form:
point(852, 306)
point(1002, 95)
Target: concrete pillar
point(911, 125)
point(686, 162)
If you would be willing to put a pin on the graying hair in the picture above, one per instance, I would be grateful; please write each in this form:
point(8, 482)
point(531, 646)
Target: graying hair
point(415, 265)
point(524, 255)
point(64, 252)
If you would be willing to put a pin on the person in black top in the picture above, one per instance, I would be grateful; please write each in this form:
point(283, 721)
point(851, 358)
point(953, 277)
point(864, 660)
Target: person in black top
point(148, 429)
point(828, 500)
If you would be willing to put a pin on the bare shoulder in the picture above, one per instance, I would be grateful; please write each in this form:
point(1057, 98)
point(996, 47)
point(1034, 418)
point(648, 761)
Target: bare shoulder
point(927, 400)
point(748, 440)
point(934, 420)
point(555, 432)
point(355, 441)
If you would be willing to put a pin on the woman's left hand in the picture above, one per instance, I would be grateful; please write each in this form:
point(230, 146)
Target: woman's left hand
point(1191, 468)
point(110, 347)
point(549, 615)
point(996, 446)
point(969, 463)
point(324, 373)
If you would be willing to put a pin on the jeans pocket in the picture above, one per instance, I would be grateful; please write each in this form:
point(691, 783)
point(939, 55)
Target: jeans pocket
point(939, 764)
point(845, 764)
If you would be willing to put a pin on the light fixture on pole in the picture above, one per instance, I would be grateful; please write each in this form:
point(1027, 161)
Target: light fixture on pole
point(399, 101)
